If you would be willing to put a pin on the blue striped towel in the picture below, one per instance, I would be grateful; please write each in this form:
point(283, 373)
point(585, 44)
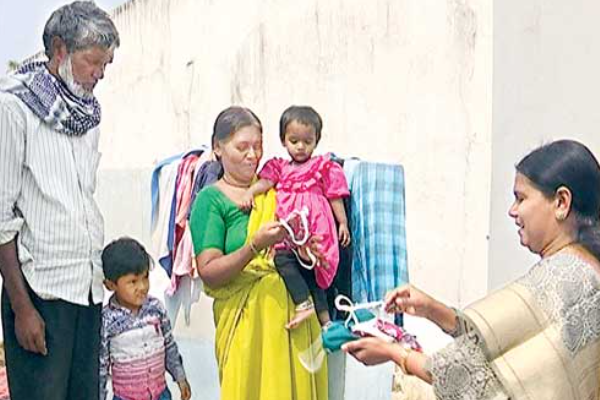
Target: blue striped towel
point(378, 225)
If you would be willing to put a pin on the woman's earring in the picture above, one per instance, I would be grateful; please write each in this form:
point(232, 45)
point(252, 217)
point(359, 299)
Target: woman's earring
point(562, 216)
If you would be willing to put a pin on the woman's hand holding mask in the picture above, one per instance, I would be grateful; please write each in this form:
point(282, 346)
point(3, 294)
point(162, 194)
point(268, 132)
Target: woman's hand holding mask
point(268, 235)
point(408, 299)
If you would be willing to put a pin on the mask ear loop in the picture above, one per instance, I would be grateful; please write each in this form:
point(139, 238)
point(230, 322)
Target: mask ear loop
point(311, 256)
point(303, 214)
point(343, 303)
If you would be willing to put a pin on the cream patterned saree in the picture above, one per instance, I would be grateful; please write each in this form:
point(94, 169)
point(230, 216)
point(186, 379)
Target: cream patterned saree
point(536, 339)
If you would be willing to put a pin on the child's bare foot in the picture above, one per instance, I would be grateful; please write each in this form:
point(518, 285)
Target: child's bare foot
point(303, 312)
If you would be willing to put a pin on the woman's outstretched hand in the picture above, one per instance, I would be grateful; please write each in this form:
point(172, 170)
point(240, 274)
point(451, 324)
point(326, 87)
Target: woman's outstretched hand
point(408, 299)
point(370, 351)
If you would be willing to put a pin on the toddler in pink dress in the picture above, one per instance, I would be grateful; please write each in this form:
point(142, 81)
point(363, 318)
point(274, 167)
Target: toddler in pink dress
point(315, 185)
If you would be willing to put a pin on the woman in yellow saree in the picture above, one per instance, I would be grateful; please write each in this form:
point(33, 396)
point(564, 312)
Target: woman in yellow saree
point(539, 337)
point(257, 357)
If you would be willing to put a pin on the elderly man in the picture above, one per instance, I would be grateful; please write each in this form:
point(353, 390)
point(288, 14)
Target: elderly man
point(51, 230)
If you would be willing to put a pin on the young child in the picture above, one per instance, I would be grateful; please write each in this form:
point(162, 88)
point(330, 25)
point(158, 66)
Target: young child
point(136, 345)
point(316, 184)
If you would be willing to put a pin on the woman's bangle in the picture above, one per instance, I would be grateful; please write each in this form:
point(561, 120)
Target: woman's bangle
point(404, 353)
point(253, 248)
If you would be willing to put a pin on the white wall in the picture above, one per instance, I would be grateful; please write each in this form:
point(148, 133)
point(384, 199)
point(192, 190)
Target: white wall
point(396, 81)
point(546, 85)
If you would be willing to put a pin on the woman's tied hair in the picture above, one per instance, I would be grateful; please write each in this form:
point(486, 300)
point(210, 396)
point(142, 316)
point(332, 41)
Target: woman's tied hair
point(231, 120)
point(81, 25)
point(570, 164)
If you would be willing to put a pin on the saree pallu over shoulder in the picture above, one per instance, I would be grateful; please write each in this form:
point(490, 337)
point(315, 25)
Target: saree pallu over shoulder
point(541, 334)
point(256, 355)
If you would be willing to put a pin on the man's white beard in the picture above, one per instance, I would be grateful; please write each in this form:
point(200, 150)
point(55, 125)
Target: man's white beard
point(65, 71)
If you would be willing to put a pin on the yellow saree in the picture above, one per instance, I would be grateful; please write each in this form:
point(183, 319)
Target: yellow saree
point(257, 356)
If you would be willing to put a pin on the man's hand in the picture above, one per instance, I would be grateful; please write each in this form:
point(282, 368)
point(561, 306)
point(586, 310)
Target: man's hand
point(30, 330)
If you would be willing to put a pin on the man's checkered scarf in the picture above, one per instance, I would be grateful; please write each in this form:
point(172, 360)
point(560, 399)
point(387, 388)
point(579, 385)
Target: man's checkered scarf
point(50, 99)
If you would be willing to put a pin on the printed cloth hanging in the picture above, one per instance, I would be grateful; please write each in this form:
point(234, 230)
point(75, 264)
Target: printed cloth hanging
point(175, 181)
point(164, 201)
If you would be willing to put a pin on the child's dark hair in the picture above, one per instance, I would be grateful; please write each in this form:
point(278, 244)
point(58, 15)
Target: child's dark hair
point(305, 115)
point(124, 256)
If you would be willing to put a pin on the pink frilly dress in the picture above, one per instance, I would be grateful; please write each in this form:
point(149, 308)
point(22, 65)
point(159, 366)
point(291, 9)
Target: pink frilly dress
point(311, 184)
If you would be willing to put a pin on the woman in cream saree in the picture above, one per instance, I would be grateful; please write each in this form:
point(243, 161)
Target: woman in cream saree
point(539, 337)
